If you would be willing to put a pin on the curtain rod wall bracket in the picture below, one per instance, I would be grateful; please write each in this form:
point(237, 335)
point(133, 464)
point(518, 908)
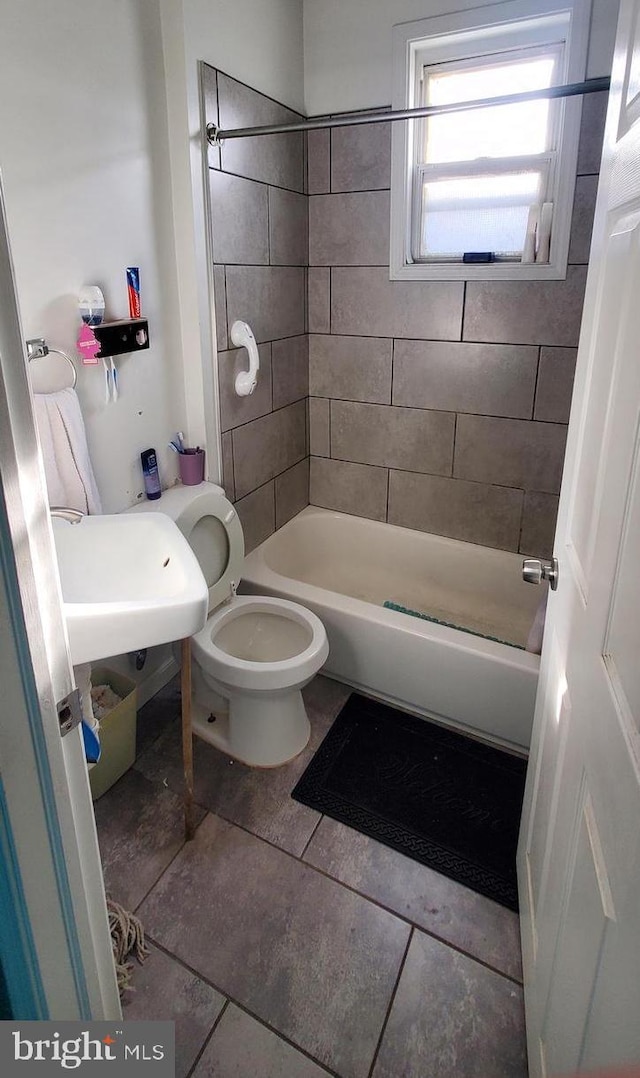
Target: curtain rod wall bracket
point(213, 136)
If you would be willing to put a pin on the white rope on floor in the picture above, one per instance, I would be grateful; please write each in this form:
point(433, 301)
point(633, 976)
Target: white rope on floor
point(127, 936)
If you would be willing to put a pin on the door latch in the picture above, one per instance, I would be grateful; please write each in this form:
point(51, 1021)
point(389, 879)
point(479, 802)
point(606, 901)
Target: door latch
point(69, 712)
point(535, 570)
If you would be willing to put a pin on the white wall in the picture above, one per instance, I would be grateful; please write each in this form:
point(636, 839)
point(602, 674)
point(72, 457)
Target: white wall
point(94, 183)
point(347, 47)
point(85, 158)
point(257, 41)
point(83, 152)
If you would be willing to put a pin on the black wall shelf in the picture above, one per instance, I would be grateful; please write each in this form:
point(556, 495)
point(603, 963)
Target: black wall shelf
point(118, 338)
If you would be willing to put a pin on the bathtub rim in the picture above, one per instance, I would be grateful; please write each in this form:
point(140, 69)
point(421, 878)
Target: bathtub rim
point(256, 570)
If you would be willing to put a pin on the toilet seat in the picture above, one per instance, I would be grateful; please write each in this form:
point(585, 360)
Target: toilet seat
point(248, 673)
point(211, 526)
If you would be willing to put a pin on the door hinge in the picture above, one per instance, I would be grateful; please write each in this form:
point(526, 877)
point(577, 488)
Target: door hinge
point(69, 712)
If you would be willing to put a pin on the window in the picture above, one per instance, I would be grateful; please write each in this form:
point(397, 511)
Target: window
point(487, 193)
point(481, 175)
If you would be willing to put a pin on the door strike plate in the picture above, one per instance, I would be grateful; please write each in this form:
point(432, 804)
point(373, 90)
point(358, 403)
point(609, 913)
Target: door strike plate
point(69, 712)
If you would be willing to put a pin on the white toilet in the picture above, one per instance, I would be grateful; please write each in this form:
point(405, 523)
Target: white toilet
point(255, 653)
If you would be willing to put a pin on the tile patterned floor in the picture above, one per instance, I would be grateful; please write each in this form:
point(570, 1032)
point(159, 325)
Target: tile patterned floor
point(286, 945)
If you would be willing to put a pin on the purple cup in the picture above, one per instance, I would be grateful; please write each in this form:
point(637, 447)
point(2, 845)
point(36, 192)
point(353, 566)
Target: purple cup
point(191, 463)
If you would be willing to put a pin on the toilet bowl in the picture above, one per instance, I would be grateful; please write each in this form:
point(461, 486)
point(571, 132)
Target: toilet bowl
point(258, 653)
point(255, 653)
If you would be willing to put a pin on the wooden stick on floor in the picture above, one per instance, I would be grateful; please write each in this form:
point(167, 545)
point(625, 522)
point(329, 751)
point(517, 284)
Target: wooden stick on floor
point(187, 740)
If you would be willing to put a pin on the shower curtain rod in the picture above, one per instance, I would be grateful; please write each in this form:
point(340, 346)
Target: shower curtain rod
point(216, 135)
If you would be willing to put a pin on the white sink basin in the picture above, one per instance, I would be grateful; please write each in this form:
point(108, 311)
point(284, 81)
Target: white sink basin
point(128, 582)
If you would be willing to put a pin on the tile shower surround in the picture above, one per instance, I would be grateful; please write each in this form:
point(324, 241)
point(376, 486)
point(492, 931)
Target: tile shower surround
point(259, 220)
point(440, 406)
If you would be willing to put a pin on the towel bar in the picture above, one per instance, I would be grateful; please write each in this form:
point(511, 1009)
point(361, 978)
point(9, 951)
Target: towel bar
point(38, 347)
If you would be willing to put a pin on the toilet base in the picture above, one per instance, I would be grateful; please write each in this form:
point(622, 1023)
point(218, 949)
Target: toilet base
point(263, 730)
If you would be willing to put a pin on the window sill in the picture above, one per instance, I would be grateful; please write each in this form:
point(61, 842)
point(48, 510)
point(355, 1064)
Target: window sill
point(491, 271)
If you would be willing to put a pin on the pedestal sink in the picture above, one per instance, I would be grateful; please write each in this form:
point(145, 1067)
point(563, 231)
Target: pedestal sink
point(128, 582)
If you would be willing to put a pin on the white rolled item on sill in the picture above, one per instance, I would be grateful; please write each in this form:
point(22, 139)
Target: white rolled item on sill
point(529, 247)
point(544, 232)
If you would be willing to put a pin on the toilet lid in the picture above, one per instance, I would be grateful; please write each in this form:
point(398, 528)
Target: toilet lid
point(211, 526)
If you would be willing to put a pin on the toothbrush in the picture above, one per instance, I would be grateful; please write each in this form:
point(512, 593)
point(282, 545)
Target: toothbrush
point(180, 441)
point(107, 381)
point(114, 379)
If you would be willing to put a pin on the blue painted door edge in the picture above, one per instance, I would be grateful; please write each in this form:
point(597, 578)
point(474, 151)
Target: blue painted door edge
point(9, 577)
point(20, 966)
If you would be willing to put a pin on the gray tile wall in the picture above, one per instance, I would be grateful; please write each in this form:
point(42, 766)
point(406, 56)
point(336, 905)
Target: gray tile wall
point(259, 222)
point(440, 406)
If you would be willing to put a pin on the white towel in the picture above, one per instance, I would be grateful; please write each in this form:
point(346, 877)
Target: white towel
point(70, 478)
point(82, 676)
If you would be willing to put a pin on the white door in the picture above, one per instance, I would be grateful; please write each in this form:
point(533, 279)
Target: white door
point(579, 854)
point(55, 947)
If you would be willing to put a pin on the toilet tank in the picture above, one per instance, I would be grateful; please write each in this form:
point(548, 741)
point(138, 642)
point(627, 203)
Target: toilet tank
point(212, 528)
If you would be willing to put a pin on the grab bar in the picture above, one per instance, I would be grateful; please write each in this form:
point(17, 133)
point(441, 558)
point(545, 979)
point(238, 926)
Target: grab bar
point(242, 336)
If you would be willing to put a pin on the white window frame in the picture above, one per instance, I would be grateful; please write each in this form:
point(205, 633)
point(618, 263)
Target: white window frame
point(472, 34)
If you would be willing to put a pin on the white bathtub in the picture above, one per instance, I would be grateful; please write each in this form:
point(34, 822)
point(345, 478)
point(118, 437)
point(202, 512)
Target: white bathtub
point(344, 568)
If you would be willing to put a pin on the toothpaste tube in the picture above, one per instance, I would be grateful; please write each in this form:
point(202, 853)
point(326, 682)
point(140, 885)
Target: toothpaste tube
point(133, 288)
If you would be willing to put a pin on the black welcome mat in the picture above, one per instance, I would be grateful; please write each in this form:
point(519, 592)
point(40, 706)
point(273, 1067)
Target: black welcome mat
point(443, 799)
